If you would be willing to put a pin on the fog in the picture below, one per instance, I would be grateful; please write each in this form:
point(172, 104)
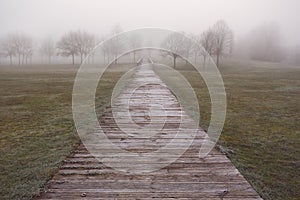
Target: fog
point(55, 17)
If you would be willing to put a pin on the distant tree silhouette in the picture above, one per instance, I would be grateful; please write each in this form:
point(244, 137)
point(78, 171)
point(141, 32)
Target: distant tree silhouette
point(223, 39)
point(47, 48)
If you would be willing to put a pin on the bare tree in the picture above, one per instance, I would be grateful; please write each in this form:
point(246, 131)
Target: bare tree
point(67, 46)
point(27, 49)
point(8, 48)
point(223, 38)
point(76, 43)
point(47, 49)
point(93, 42)
point(135, 41)
point(196, 47)
point(85, 42)
point(19, 45)
point(207, 40)
point(17, 42)
point(174, 44)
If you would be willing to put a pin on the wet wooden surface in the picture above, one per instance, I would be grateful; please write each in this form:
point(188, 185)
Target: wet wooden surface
point(214, 177)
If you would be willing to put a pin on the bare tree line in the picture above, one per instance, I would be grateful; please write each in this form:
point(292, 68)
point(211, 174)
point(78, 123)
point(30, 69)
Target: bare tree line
point(47, 49)
point(76, 43)
point(263, 43)
point(215, 41)
point(114, 46)
point(18, 45)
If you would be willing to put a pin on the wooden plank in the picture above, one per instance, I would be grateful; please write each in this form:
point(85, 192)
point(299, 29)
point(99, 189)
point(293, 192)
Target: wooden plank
point(189, 177)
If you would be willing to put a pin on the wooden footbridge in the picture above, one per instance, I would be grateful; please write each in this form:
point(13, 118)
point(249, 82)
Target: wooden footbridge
point(214, 177)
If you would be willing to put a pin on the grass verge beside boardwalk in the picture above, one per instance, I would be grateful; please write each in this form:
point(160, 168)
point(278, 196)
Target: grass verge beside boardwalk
point(37, 128)
point(262, 130)
point(261, 133)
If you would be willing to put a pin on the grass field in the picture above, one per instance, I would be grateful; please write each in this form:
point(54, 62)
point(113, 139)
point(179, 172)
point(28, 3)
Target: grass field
point(262, 130)
point(261, 133)
point(37, 129)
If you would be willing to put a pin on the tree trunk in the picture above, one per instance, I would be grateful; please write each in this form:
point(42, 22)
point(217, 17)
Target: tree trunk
point(218, 57)
point(174, 62)
point(19, 55)
point(73, 59)
point(81, 58)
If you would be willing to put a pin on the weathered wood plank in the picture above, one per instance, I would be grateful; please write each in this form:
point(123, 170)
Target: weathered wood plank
point(189, 177)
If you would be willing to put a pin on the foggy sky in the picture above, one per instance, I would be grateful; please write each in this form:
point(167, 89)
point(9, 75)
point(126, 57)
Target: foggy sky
point(44, 18)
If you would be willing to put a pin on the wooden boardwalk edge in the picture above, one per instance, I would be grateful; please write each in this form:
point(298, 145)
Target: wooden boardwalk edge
point(214, 177)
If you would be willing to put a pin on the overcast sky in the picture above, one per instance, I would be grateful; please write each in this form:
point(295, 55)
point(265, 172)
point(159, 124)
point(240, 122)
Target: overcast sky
point(44, 18)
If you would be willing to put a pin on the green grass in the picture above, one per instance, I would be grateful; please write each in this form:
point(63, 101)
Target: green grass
point(37, 129)
point(261, 133)
point(262, 129)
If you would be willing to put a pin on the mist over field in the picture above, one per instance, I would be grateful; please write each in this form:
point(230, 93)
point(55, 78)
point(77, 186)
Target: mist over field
point(54, 18)
point(243, 56)
point(255, 24)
